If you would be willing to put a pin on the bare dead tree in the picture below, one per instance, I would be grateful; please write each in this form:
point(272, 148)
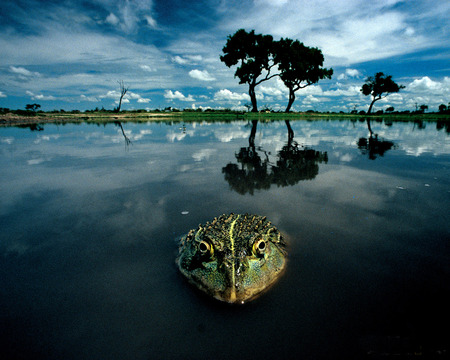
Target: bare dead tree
point(123, 91)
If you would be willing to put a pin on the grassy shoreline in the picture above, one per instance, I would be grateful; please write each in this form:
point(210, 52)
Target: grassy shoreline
point(107, 117)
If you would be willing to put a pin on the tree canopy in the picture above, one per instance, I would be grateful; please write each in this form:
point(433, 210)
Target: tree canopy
point(32, 107)
point(257, 55)
point(254, 53)
point(299, 65)
point(378, 85)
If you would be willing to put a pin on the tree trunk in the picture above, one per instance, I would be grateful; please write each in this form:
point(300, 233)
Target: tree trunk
point(371, 105)
point(369, 127)
point(290, 132)
point(123, 91)
point(291, 99)
point(251, 92)
point(251, 139)
point(120, 103)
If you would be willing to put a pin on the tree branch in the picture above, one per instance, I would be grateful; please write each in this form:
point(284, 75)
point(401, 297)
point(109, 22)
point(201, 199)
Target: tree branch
point(302, 87)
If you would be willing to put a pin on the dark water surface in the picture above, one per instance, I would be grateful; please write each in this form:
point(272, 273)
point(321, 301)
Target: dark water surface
point(89, 227)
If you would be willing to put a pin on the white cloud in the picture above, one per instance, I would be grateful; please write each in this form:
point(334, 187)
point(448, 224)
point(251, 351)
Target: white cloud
point(150, 21)
point(112, 19)
point(344, 30)
point(227, 95)
point(131, 12)
point(352, 72)
point(279, 91)
point(35, 161)
point(132, 95)
point(147, 68)
point(409, 31)
point(21, 71)
point(426, 85)
point(202, 75)
point(177, 95)
point(89, 98)
point(88, 49)
point(275, 3)
point(187, 59)
point(179, 60)
point(2, 94)
point(349, 73)
point(114, 94)
point(40, 96)
point(352, 90)
point(308, 100)
point(144, 100)
point(423, 91)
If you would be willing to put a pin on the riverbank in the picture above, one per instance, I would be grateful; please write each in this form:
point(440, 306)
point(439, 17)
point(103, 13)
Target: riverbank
point(11, 119)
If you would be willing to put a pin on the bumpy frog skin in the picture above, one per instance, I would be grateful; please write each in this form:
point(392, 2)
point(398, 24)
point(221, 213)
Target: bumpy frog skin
point(233, 258)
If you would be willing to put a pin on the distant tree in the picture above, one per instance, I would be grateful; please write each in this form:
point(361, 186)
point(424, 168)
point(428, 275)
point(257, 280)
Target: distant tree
point(299, 66)
point(123, 91)
point(423, 107)
point(390, 109)
point(32, 107)
point(254, 54)
point(248, 106)
point(378, 85)
point(442, 108)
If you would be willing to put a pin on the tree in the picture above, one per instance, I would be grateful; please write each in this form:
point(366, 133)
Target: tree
point(32, 107)
point(123, 91)
point(423, 107)
point(390, 109)
point(442, 108)
point(299, 66)
point(378, 85)
point(254, 54)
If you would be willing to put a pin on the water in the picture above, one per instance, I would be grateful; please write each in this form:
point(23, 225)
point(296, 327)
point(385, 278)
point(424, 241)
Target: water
point(90, 219)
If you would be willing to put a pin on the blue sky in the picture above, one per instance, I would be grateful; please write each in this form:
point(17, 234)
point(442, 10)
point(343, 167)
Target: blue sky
point(71, 54)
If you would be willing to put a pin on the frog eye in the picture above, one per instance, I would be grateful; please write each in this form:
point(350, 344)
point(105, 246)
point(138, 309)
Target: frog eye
point(205, 248)
point(259, 247)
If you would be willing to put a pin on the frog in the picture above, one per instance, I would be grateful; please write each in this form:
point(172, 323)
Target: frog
point(234, 258)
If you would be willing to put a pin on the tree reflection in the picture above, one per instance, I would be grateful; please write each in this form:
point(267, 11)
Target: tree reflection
point(443, 125)
point(127, 139)
point(32, 127)
point(372, 146)
point(255, 171)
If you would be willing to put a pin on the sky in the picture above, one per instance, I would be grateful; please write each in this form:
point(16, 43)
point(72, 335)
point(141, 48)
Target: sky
point(71, 55)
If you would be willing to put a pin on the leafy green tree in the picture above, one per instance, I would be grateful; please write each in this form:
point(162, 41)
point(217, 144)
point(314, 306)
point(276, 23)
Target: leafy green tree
point(423, 107)
point(254, 54)
point(299, 66)
point(379, 86)
point(32, 107)
point(442, 108)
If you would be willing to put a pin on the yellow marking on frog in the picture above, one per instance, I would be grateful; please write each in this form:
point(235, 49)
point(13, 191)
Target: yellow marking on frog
point(233, 270)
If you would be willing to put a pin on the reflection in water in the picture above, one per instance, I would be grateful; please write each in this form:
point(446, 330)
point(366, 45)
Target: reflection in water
point(294, 163)
point(373, 146)
point(443, 124)
point(32, 127)
point(127, 139)
point(87, 247)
